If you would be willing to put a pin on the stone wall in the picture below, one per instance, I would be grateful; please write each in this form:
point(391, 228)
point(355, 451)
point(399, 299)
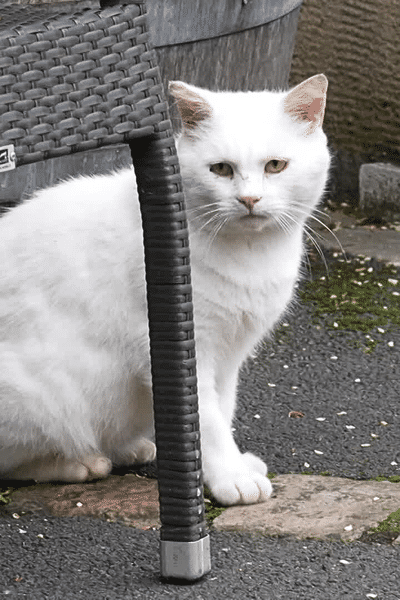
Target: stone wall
point(356, 43)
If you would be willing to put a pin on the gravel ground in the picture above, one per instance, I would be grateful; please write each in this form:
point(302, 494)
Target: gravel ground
point(83, 558)
point(323, 374)
point(310, 367)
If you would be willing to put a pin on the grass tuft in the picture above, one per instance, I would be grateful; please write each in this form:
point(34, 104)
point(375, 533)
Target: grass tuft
point(355, 295)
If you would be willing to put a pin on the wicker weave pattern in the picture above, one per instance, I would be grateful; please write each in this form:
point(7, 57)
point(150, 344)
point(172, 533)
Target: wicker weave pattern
point(80, 82)
point(172, 344)
point(77, 83)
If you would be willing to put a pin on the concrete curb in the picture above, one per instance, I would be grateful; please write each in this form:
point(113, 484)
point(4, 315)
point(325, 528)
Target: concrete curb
point(342, 233)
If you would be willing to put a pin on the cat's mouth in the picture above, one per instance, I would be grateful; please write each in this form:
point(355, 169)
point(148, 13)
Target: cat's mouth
point(254, 216)
point(255, 221)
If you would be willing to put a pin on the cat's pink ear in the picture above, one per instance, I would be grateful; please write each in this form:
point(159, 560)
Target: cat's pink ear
point(306, 102)
point(192, 107)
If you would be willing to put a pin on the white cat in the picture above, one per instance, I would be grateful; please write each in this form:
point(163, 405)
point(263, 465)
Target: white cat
point(75, 376)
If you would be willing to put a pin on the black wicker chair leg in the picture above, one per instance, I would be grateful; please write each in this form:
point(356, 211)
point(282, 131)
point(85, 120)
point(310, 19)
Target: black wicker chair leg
point(185, 552)
point(76, 82)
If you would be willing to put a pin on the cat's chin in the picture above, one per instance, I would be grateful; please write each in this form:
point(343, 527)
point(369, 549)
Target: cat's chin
point(254, 223)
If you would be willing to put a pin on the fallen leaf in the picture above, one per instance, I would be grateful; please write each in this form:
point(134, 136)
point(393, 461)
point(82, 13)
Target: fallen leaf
point(296, 414)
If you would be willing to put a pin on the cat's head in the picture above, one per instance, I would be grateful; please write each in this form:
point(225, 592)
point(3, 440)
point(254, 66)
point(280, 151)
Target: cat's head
point(252, 161)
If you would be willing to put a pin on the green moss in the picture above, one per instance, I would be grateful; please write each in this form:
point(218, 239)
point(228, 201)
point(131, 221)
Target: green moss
point(389, 529)
point(357, 295)
point(390, 524)
point(212, 512)
point(5, 496)
point(213, 508)
point(391, 478)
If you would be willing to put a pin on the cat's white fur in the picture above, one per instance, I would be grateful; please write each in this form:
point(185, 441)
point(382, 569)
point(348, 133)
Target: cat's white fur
point(74, 351)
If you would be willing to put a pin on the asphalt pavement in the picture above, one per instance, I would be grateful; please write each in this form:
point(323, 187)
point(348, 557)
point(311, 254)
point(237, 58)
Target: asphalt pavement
point(79, 558)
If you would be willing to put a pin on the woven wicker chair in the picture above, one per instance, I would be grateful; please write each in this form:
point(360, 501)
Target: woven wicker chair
point(75, 83)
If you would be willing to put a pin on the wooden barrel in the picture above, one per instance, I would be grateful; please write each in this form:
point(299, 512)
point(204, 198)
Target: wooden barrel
point(219, 44)
point(225, 44)
point(216, 44)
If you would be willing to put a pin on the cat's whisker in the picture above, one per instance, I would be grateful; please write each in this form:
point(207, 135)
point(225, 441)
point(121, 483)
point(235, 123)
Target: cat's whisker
point(203, 211)
point(319, 211)
point(285, 217)
point(306, 260)
point(204, 215)
point(342, 250)
point(286, 221)
point(283, 222)
point(310, 234)
point(215, 215)
point(223, 220)
point(301, 210)
point(202, 207)
point(216, 223)
point(217, 229)
point(210, 220)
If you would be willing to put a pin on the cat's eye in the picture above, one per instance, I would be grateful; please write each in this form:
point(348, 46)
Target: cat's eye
point(276, 165)
point(222, 169)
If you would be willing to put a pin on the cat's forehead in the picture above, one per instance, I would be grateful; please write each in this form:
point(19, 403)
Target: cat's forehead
point(248, 113)
point(248, 125)
point(246, 106)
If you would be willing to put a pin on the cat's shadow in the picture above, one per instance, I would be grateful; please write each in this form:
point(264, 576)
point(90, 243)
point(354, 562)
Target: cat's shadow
point(146, 470)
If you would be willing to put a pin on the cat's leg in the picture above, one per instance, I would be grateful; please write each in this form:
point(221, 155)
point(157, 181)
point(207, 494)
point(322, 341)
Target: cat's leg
point(139, 447)
point(226, 389)
point(54, 467)
point(139, 451)
point(232, 477)
point(227, 393)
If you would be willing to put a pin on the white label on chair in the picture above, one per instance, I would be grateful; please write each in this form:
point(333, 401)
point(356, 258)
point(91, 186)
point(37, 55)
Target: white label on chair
point(7, 158)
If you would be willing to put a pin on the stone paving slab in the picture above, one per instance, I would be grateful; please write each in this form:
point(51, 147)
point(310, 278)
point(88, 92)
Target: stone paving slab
point(303, 506)
point(130, 499)
point(314, 506)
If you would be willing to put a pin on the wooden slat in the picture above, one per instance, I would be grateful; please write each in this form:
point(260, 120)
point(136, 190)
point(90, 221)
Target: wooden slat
point(255, 59)
point(176, 22)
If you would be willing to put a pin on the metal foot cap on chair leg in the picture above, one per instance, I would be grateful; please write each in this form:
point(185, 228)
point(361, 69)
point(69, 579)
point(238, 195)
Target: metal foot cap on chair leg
point(185, 560)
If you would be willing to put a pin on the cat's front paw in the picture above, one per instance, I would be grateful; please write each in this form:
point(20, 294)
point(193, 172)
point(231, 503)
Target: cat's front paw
point(255, 464)
point(240, 488)
point(140, 451)
point(245, 484)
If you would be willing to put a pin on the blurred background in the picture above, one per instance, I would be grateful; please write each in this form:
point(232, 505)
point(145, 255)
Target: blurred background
point(258, 44)
point(356, 43)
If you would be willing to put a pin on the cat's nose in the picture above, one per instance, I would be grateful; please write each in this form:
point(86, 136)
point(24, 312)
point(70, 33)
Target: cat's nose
point(249, 201)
